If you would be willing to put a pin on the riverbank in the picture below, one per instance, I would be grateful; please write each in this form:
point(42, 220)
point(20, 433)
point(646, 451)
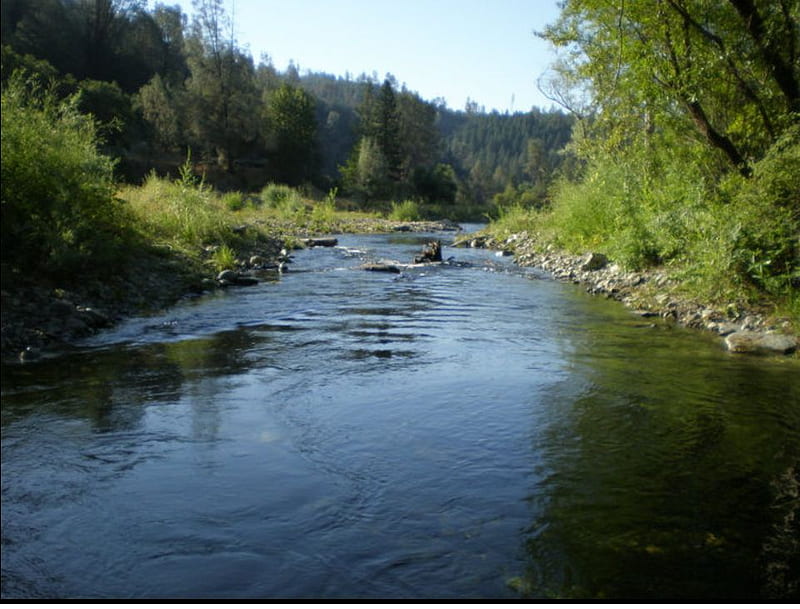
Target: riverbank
point(651, 293)
point(43, 315)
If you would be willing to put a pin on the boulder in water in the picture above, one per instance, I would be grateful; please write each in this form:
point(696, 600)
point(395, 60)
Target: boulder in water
point(380, 267)
point(430, 253)
point(758, 342)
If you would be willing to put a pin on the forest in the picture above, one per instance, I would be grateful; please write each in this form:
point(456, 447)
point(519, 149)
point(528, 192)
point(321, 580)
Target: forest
point(161, 85)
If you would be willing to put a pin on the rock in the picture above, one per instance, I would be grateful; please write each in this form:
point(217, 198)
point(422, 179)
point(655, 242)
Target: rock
point(246, 280)
point(93, 318)
point(320, 242)
point(62, 308)
point(403, 228)
point(430, 253)
point(502, 253)
point(380, 267)
point(594, 262)
point(723, 328)
point(227, 276)
point(757, 342)
point(257, 260)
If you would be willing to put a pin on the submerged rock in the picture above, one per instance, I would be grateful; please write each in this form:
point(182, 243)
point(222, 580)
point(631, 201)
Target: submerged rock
point(380, 267)
point(757, 342)
point(320, 242)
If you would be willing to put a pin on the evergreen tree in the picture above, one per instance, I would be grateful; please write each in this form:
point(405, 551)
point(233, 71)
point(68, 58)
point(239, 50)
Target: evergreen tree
point(292, 120)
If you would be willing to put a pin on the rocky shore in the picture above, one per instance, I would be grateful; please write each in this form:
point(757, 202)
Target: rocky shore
point(651, 293)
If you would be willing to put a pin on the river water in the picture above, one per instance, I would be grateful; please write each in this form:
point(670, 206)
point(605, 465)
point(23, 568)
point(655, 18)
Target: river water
point(470, 430)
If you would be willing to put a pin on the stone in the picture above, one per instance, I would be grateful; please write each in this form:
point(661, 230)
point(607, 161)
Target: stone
point(320, 242)
point(257, 260)
point(594, 262)
point(245, 280)
point(227, 276)
point(380, 267)
point(93, 318)
point(757, 342)
point(430, 253)
point(62, 308)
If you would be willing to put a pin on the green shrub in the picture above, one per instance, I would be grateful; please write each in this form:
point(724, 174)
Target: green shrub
point(323, 216)
point(406, 211)
point(762, 219)
point(282, 198)
point(58, 207)
point(234, 201)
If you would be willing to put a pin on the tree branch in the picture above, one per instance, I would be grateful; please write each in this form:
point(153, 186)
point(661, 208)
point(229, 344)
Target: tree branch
point(781, 71)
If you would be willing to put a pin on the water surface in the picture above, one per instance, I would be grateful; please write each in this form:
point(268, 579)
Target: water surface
point(470, 430)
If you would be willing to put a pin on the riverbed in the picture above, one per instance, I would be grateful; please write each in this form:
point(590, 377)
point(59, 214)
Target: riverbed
point(464, 430)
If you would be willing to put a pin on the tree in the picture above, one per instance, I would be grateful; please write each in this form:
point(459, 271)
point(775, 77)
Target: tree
point(171, 23)
point(418, 136)
point(727, 70)
point(160, 107)
point(372, 168)
point(291, 118)
point(222, 99)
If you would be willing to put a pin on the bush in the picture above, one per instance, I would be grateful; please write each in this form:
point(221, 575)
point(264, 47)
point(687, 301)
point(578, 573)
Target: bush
point(282, 198)
point(58, 207)
point(234, 201)
point(407, 211)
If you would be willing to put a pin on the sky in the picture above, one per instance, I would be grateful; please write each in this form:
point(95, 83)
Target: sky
point(484, 50)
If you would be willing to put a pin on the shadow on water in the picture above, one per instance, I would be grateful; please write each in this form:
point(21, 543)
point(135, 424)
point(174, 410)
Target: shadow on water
point(671, 470)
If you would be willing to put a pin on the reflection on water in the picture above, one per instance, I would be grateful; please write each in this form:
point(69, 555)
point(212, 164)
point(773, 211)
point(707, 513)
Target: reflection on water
point(447, 433)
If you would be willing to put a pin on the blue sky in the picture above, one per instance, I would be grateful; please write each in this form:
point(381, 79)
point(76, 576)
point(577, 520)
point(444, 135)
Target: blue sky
point(455, 49)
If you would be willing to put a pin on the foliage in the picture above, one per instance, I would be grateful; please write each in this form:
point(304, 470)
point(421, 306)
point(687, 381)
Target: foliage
point(406, 211)
point(159, 106)
point(58, 207)
point(221, 90)
point(234, 201)
point(490, 152)
point(688, 138)
point(223, 258)
point(726, 73)
point(282, 198)
point(185, 213)
point(291, 119)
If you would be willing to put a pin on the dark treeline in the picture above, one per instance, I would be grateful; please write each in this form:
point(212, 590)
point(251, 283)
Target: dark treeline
point(163, 86)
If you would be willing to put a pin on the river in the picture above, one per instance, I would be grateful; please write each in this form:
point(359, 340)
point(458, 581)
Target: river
point(469, 430)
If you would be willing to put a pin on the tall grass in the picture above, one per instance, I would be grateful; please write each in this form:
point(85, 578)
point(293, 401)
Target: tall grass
point(184, 213)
